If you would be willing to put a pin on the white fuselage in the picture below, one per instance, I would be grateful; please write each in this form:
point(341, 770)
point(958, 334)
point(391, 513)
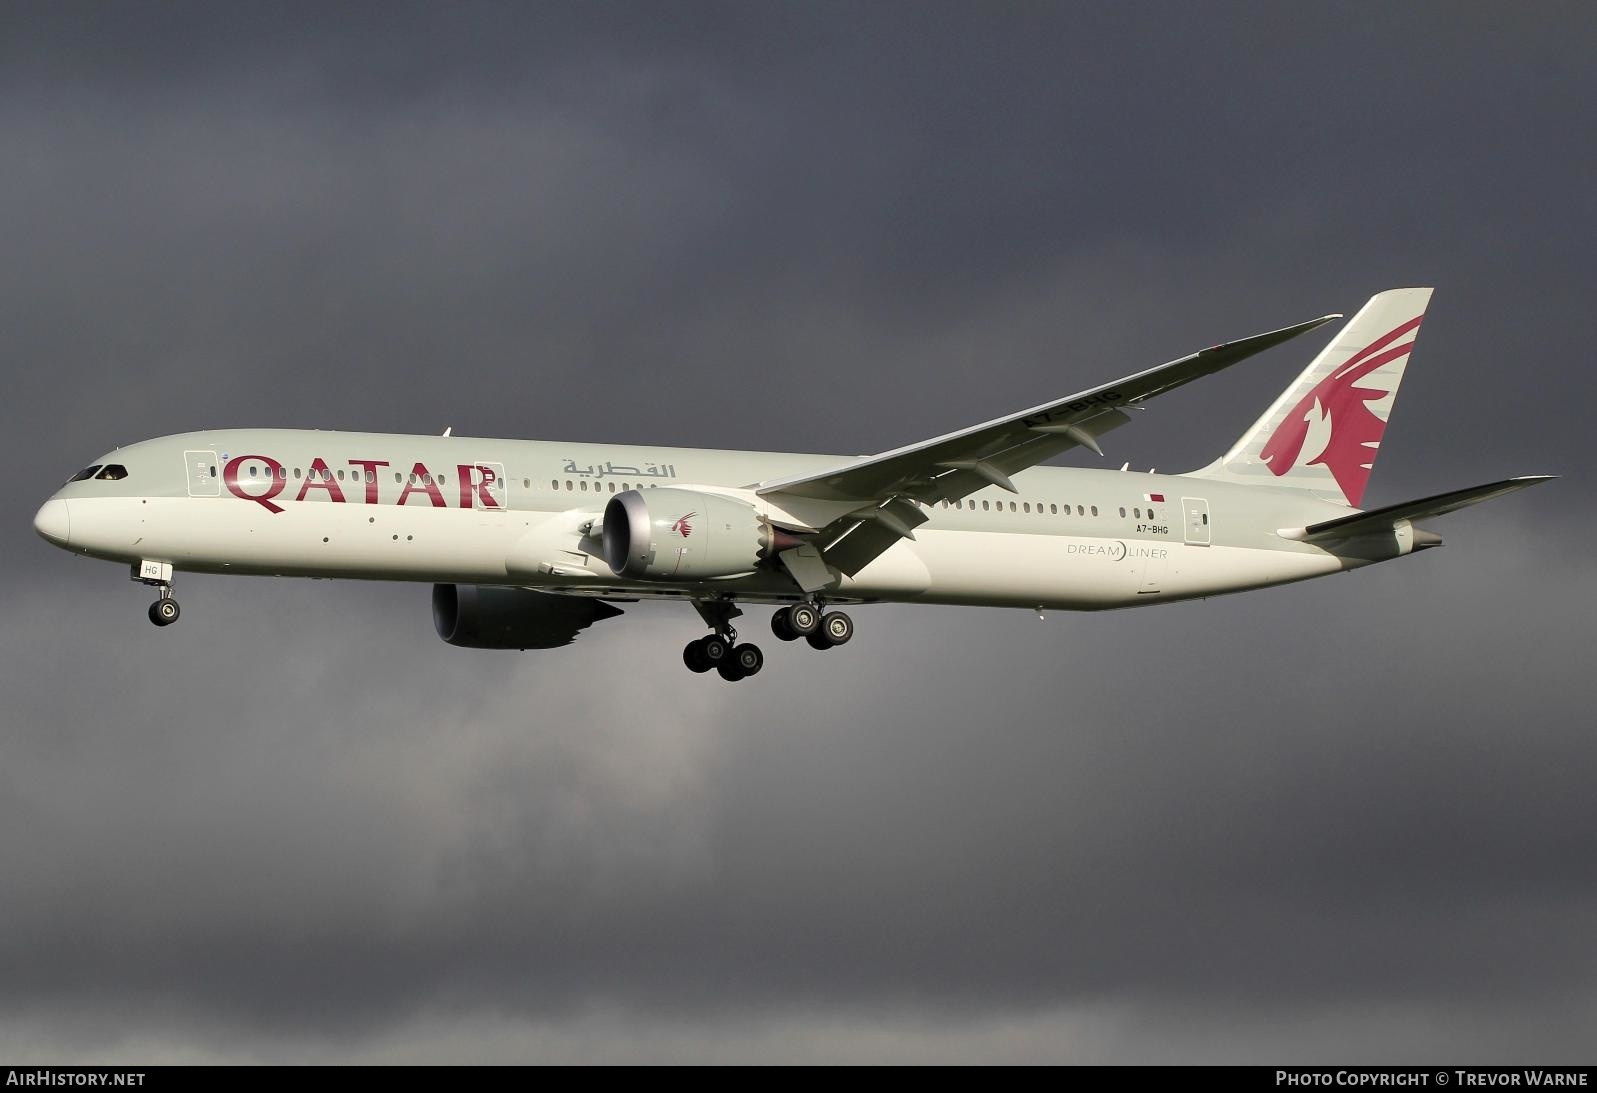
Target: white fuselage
point(505, 512)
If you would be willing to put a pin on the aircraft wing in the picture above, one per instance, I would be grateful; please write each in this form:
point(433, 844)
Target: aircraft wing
point(891, 487)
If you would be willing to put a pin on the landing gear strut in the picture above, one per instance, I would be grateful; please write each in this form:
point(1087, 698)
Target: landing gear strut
point(164, 611)
point(721, 650)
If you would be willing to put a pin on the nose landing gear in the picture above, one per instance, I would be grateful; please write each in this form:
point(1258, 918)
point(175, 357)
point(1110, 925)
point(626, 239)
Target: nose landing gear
point(164, 611)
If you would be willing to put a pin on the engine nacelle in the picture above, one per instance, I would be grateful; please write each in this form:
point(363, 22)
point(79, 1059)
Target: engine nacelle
point(670, 534)
point(477, 617)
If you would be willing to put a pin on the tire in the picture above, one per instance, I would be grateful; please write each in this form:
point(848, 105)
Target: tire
point(693, 657)
point(164, 612)
point(803, 619)
point(748, 658)
point(837, 627)
point(715, 649)
point(817, 640)
point(781, 627)
point(730, 671)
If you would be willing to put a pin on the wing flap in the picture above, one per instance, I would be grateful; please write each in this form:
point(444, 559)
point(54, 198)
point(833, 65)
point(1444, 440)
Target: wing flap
point(860, 543)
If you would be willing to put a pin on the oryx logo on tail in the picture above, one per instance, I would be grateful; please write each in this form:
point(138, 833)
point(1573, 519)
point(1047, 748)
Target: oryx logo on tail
point(1323, 433)
point(1333, 425)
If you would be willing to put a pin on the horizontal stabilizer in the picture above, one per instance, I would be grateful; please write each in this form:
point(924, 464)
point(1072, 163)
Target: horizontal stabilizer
point(1383, 519)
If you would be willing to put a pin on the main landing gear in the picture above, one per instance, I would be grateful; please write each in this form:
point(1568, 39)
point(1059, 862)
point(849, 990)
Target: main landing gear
point(722, 652)
point(164, 611)
point(731, 661)
point(805, 620)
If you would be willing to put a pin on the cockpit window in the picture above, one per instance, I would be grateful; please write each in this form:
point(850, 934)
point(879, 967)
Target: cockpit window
point(85, 474)
point(114, 472)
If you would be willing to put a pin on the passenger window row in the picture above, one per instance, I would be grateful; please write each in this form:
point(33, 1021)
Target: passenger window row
point(554, 484)
point(1054, 508)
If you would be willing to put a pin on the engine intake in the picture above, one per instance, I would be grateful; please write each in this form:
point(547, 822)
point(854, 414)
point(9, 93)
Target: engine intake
point(672, 534)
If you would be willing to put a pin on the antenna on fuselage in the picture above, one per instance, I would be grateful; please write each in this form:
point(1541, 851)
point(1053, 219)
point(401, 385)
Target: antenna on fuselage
point(447, 429)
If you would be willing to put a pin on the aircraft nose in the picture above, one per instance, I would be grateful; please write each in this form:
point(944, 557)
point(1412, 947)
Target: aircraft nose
point(51, 521)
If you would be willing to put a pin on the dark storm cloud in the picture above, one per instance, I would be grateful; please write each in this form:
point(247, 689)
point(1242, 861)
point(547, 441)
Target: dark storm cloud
point(1349, 815)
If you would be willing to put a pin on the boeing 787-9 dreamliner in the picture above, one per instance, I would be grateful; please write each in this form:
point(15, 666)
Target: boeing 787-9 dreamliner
point(526, 543)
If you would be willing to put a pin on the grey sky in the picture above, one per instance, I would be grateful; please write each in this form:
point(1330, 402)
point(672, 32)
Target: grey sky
point(1350, 819)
